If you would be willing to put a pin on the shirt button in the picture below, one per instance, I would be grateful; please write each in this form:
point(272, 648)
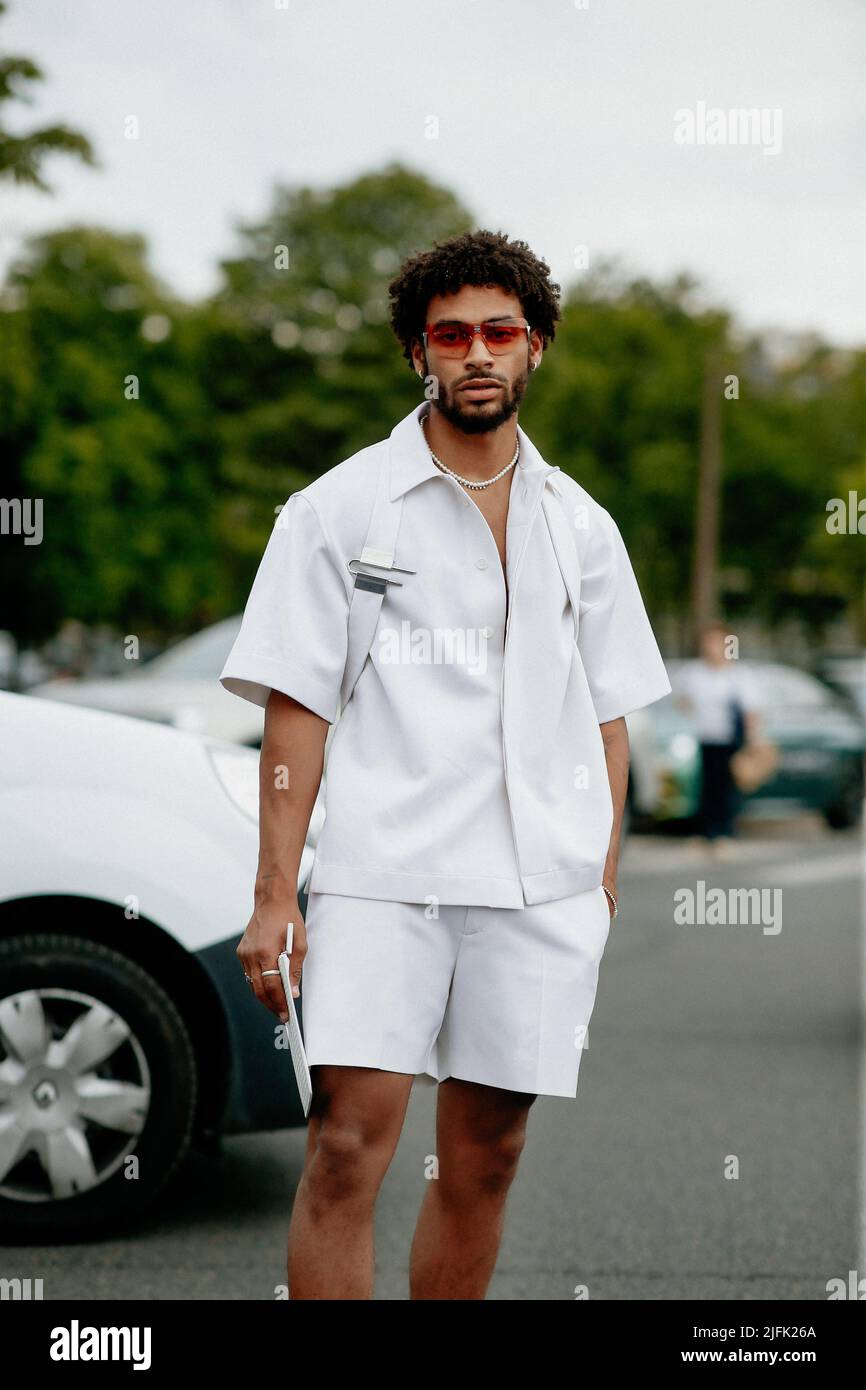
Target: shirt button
point(481, 563)
point(487, 632)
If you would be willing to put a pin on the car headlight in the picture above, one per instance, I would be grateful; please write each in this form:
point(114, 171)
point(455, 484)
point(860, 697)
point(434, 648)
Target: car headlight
point(238, 772)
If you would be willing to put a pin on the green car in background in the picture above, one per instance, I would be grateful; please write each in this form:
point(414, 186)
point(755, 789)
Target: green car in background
point(820, 735)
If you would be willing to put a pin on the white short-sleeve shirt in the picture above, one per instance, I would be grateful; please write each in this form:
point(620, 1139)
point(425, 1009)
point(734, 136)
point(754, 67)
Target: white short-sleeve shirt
point(468, 766)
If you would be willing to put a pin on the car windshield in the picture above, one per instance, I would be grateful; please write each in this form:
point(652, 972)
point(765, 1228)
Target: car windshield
point(201, 657)
point(784, 685)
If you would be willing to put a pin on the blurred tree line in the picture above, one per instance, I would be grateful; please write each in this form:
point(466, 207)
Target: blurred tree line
point(161, 435)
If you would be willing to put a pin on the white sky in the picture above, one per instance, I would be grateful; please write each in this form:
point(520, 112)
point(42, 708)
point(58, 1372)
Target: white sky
point(555, 124)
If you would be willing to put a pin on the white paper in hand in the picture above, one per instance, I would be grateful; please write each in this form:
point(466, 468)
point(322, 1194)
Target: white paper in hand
point(293, 1030)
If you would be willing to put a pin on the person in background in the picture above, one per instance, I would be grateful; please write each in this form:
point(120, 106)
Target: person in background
point(719, 693)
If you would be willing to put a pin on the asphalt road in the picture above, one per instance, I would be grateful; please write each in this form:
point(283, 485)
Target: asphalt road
point(707, 1042)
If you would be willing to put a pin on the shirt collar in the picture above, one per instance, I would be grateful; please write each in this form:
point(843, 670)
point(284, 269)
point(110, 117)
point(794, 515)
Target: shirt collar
point(412, 462)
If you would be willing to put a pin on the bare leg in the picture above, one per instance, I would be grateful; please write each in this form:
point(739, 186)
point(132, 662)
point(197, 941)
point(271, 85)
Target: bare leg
point(354, 1125)
point(480, 1133)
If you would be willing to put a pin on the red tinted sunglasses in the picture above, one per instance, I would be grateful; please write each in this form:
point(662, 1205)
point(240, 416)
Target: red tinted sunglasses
point(453, 339)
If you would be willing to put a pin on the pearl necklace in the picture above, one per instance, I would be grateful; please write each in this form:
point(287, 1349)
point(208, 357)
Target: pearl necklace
point(467, 482)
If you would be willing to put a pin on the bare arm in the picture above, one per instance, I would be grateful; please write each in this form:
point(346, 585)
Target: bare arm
point(290, 771)
point(753, 729)
point(616, 751)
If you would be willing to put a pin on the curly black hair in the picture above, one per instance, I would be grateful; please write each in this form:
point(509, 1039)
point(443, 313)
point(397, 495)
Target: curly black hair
point(473, 258)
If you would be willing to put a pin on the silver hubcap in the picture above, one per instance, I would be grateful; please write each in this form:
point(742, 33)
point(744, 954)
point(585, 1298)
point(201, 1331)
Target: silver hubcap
point(74, 1093)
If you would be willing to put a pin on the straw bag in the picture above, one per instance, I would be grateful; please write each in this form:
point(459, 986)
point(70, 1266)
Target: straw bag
point(754, 764)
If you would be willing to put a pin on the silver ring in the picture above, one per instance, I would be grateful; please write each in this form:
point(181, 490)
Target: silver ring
point(270, 972)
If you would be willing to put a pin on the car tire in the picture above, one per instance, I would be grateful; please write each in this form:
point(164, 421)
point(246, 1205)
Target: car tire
point(846, 812)
point(86, 1032)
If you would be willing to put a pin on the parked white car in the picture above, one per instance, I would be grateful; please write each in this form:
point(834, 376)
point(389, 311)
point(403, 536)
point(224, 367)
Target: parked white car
point(128, 854)
point(179, 687)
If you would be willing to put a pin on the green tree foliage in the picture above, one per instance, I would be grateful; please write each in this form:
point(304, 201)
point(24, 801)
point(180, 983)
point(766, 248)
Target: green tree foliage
point(798, 442)
point(618, 405)
point(105, 424)
point(157, 508)
point(21, 156)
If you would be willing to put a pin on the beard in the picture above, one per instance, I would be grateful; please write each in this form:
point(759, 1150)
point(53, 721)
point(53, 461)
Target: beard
point(480, 419)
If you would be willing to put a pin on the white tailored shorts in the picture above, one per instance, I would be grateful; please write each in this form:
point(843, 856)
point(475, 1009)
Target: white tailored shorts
point(499, 996)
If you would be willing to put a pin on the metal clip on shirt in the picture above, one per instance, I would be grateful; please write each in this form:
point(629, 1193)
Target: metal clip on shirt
point(374, 583)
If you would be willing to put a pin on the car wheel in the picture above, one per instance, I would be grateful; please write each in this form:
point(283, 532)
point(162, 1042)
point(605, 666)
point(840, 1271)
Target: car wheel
point(97, 1087)
point(848, 810)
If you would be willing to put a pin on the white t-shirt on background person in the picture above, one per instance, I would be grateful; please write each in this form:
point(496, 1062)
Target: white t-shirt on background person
point(712, 692)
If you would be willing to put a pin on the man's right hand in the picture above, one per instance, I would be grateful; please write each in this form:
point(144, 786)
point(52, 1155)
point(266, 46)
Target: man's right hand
point(261, 944)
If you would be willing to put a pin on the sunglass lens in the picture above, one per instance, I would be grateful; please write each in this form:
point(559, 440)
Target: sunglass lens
point(501, 335)
point(450, 338)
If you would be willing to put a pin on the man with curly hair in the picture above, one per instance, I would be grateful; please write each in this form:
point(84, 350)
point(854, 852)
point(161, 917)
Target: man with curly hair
point(471, 614)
